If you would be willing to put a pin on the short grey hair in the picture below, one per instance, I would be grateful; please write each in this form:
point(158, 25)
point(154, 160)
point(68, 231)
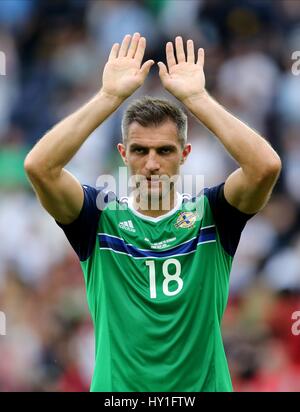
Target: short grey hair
point(151, 111)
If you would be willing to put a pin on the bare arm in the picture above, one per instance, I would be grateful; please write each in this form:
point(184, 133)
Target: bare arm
point(59, 192)
point(249, 187)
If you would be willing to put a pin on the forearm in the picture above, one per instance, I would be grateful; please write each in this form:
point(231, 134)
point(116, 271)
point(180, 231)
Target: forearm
point(248, 148)
point(61, 143)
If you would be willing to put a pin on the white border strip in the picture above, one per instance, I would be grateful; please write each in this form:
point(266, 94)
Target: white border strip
point(156, 257)
point(153, 250)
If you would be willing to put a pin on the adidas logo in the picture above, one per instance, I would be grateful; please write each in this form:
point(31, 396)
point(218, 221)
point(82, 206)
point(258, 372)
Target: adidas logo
point(127, 225)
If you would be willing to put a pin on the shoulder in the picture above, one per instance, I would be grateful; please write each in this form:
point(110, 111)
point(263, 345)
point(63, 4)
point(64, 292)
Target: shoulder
point(82, 232)
point(229, 221)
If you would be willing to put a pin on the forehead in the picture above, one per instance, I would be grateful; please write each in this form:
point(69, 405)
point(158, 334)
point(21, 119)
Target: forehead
point(165, 133)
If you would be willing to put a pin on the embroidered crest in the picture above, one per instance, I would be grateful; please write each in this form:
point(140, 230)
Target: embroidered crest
point(186, 220)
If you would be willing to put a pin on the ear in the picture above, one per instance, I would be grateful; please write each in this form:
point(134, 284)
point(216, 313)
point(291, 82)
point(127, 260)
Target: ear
point(185, 152)
point(122, 151)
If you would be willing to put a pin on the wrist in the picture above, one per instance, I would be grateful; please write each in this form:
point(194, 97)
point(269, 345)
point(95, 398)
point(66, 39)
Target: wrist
point(197, 98)
point(109, 99)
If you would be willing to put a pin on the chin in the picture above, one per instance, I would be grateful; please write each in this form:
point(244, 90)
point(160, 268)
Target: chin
point(155, 195)
point(159, 198)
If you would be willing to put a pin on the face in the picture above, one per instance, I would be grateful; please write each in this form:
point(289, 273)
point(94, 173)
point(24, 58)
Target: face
point(154, 154)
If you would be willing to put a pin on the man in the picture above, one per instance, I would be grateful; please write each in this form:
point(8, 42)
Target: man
point(157, 280)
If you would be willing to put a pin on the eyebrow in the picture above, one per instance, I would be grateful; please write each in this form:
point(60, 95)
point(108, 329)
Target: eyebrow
point(135, 146)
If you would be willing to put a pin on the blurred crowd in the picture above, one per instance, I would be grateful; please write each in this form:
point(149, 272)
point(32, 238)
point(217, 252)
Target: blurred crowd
point(55, 51)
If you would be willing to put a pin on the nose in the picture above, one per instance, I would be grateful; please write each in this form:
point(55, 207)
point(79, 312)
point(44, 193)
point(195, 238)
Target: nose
point(152, 164)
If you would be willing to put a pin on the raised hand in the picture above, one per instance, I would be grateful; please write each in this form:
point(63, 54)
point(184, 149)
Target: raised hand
point(124, 72)
point(184, 78)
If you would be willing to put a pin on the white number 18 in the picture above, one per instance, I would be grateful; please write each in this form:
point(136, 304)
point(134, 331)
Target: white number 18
point(168, 277)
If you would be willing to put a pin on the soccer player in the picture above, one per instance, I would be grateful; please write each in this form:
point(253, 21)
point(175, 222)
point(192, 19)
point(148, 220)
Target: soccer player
point(157, 280)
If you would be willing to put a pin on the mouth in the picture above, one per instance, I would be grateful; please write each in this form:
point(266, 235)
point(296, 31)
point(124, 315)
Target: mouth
point(153, 180)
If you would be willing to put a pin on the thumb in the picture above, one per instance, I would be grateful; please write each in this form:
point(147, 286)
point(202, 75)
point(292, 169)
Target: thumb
point(146, 67)
point(163, 71)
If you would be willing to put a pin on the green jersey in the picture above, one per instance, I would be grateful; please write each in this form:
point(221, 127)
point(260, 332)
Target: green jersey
point(157, 289)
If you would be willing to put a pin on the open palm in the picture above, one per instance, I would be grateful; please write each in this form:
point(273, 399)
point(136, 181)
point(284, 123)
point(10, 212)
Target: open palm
point(123, 72)
point(184, 78)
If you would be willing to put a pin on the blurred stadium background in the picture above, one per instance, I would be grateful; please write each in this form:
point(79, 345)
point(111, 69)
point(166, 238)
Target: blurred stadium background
point(55, 51)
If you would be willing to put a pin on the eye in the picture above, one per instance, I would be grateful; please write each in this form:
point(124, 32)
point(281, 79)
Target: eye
point(165, 150)
point(139, 150)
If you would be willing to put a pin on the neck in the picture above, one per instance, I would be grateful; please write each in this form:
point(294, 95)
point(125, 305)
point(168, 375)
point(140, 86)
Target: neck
point(159, 206)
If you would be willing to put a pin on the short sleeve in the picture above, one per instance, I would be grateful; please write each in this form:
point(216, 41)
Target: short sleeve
point(230, 222)
point(82, 233)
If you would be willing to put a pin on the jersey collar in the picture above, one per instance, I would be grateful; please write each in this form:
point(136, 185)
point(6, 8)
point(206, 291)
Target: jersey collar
point(158, 218)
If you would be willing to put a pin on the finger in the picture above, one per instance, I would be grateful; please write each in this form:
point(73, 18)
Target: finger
point(140, 51)
point(124, 45)
point(146, 67)
point(190, 51)
point(171, 61)
point(114, 51)
point(163, 71)
point(133, 45)
point(179, 50)
point(201, 57)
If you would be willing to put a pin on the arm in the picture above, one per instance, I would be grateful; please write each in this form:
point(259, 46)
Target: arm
point(249, 187)
point(59, 192)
